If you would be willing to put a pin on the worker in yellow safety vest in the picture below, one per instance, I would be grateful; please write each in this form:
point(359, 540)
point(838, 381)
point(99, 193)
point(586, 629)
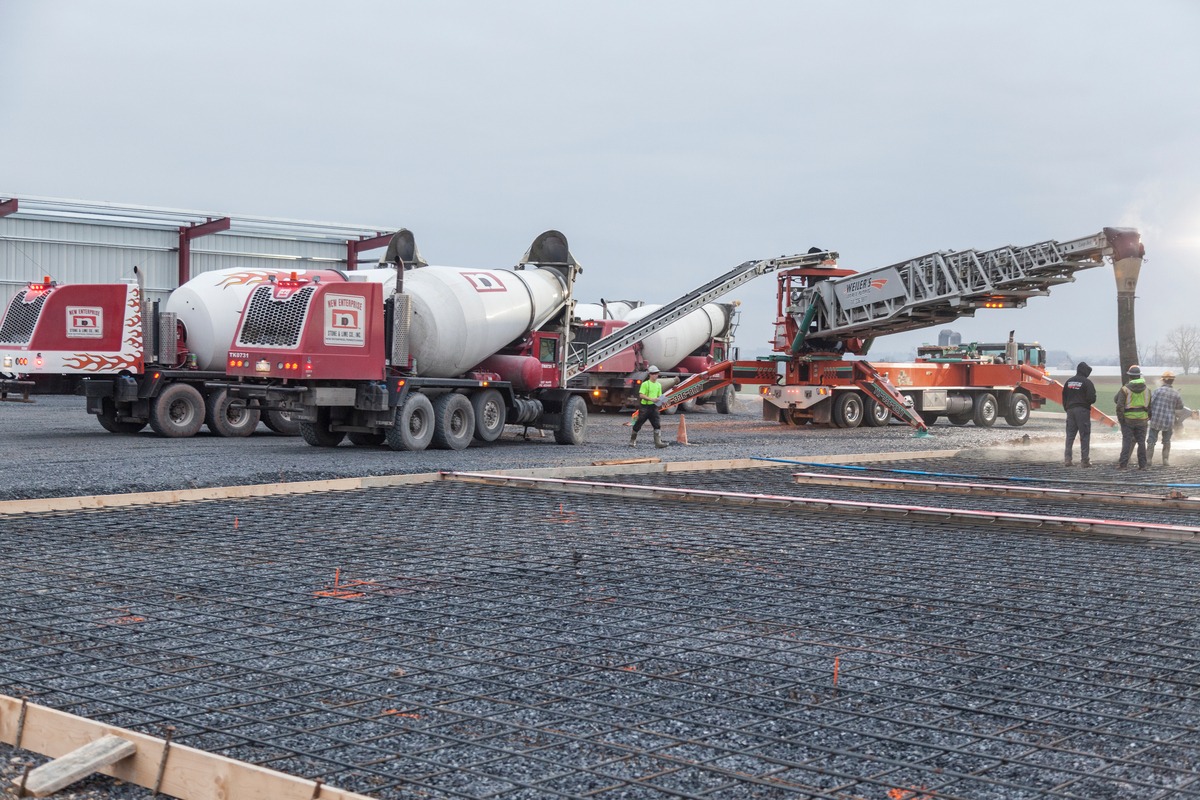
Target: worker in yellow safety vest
point(650, 397)
point(1133, 412)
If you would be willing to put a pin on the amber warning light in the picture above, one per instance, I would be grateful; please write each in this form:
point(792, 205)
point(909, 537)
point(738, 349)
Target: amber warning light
point(37, 289)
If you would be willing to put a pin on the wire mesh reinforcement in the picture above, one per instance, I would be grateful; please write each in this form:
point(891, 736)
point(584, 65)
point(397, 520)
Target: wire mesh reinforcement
point(464, 641)
point(777, 478)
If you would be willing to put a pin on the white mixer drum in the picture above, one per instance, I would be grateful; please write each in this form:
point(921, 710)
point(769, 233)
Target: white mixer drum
point(210, 308)
point(667, 347)
point(462, 316)
point(617, 309)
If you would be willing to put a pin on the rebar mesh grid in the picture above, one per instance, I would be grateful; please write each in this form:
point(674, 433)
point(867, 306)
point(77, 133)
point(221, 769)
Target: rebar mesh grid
point(464, 641)
point(776, 477)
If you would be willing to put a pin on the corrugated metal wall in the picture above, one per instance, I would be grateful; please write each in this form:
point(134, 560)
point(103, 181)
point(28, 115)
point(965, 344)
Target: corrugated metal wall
point(97, 250)
point(76, 252)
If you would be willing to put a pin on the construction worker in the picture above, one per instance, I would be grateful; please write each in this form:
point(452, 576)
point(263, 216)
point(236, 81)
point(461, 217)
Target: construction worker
point(1163, 407)
point(1133, 412)
point(1078, 397)
point(650, 396)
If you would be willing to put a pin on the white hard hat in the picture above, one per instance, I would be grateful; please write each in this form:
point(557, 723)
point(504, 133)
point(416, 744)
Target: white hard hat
point(652, 369)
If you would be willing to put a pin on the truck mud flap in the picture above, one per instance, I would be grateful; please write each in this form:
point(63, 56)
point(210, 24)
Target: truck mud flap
point(14, 387)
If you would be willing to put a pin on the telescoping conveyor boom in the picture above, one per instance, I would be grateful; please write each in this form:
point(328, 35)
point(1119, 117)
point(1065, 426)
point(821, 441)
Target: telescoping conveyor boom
point(944, 286)
point(585, 356)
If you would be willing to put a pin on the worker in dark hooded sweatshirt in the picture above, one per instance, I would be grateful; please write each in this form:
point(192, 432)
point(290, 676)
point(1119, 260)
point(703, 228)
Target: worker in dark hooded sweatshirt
point(1079, 395)
point(1133, 412)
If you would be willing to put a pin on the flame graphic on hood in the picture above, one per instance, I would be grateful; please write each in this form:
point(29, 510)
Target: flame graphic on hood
point(247, 278)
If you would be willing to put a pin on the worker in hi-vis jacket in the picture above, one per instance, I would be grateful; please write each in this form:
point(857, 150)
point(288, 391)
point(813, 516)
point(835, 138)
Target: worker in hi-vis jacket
point(650, 397)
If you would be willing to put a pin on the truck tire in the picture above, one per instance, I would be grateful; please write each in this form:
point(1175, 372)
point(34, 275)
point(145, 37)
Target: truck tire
point(282, 422)
point(229, 420)
point(876, 414)
point(848, 410)
point(1017, 413)
point(928, 417)
point(726, 399)
point(572, 425)
point(453, 422)
point(108, 419)
point(177, 412)
point(961, 419)
point(319, 434)
point(414, 424)
point(363, 439)
point(986, 410)
point(489, 415)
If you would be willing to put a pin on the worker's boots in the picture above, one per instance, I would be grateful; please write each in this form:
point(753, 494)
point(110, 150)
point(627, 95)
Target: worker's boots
point(1166, 455)
point(633, 439)
point(658, 442)
point(1150, 454)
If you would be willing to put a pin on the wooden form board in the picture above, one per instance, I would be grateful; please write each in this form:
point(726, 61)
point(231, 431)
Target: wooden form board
point(189, 774)
point(91, 502)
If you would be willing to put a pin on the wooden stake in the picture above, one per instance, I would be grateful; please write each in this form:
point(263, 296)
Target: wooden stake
point(190, 774)
point(78, 764)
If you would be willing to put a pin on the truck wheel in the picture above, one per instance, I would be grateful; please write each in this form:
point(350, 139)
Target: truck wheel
point(848, 410)
point(572, 426)
point(1018, 410)
point(961, 419)
point(877, 414)
point(108, 419)
point(414, 424)
point(727, 399)
point(362, 439)
point(226, 419)
point(928, 417)
point(489, 415)
point(986, 410)
point(178, 412)
point(319, 434)
point(453, 422)
point(282, 422)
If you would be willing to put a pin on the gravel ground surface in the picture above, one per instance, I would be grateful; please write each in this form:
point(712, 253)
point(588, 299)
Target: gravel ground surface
point(55, 449)
point(516, 643)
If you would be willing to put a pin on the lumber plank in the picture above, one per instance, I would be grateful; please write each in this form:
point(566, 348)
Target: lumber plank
point(167, 497)
point(78, 764)
point(189, 774)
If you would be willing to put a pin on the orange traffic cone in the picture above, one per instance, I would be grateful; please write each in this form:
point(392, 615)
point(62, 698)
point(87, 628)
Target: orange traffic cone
point(681, 437)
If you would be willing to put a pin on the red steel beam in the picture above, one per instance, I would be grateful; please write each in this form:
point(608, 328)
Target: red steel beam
point(8, 207)
point(194, 231)
point(362, 244)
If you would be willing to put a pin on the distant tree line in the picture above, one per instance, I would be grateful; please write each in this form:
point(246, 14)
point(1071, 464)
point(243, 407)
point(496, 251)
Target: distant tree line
point(1181, 348)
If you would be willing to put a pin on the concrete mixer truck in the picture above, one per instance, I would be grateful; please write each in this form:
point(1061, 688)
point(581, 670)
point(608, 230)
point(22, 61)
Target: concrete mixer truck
point(411, 355)
point(691, 344)
point(138, 363)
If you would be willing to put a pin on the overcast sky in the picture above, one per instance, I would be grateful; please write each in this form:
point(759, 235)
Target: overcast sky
point(669, 141)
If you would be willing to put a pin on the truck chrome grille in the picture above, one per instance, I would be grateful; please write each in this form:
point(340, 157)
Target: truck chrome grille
point(21, 319)
point(274, 323)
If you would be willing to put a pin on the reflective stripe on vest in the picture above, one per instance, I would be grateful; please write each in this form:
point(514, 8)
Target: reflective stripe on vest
point(1135, 405)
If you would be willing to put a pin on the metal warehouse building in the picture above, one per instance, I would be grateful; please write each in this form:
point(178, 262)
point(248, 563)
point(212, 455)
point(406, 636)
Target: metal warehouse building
point(75, 241)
